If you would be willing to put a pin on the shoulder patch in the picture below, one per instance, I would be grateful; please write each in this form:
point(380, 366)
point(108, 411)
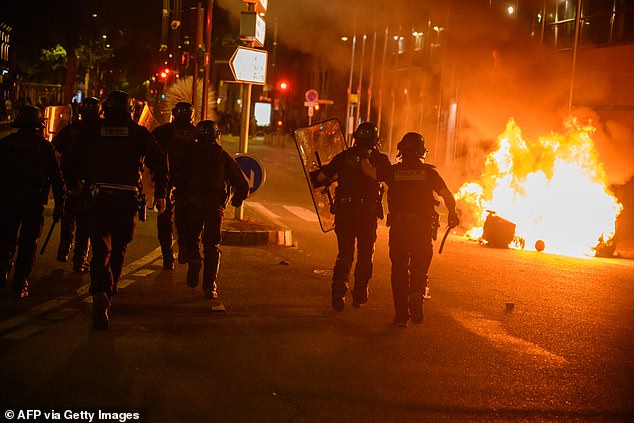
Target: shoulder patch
point(410, 175)
point(115, 131)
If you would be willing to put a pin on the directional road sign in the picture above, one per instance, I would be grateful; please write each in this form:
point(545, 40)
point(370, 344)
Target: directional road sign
point(252, 169)
point(249, 65)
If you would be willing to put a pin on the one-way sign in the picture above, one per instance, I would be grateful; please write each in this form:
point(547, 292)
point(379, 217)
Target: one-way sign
point(249, 65)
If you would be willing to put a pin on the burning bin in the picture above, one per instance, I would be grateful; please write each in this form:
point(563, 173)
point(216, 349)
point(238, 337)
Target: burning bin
point(498, 232)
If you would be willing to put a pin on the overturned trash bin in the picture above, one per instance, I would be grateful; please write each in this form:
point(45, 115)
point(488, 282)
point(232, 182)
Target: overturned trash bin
point(498, 232)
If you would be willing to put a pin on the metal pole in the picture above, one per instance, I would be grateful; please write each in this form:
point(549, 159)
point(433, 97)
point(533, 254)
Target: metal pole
point(208, 25)
point(348, 104)
point(199, 42)
point(243, 145)
point(575, 47)
point(358, 111)
point(380, 107)
point(367, 116)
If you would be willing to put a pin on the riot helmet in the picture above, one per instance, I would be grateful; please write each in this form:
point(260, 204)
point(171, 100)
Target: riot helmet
point(117, 104)
point(90, 109)
point(412, 143)
point(29, 117)
point(366, 135)
point(183, 112)
point(207, 130)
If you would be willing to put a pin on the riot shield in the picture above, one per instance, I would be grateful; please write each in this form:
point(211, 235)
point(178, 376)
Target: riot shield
point(318, 144)
point(57, 117)
point(148, 119)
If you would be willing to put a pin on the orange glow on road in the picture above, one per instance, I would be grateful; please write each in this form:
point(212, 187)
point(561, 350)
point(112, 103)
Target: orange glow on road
point(554, 189)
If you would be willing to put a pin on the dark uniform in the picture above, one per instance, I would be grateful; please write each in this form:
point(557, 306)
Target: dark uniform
point(28, 168)
point(210, 172)
point(114, 157)
point(412, 216)
point(176, 139)
point(358, 206)
point(73, 226)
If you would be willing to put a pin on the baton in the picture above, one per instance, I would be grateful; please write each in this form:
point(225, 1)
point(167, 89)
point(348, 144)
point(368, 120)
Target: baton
point(444, 238)
point(48, 236)
point(326, 188)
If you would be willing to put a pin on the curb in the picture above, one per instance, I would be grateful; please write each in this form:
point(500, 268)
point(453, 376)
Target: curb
point(247, 235)
point(256, 229)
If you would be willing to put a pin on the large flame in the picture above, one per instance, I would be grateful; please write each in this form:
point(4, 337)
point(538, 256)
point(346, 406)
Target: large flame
point(554, 189)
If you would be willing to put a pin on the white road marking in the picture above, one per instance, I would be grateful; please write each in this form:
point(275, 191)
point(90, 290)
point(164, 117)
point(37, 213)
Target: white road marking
point(23, 332)
point(45, 307)
point(262, 209)
point(493, 331)
point(302, 213)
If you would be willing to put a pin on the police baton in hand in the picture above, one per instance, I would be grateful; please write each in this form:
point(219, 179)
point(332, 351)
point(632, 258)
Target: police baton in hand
point(444, 238)
point(48, 236)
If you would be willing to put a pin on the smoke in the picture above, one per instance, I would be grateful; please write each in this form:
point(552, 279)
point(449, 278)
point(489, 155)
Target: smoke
point(488, 63)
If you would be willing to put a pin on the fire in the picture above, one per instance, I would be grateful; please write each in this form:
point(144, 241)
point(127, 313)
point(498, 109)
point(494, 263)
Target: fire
point(554, 189)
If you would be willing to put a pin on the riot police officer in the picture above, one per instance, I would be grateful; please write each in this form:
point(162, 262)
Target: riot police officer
point(358, 206)
point(73, 227)
point(211, 174)
point(113, 161)
point(28, 168)
point(411, 184)
point(176, 139)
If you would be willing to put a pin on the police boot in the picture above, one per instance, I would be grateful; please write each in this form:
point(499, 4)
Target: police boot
point(168, 258)
point(62, 252)
point(80, 257)
point(338, 296)
point(100, 308)
point(168, 262)
point(182, 255)
point(80, 264)
point(20, 287)
point(416, 306)
point(359, 294)
point(210, 290)
point(193, 274)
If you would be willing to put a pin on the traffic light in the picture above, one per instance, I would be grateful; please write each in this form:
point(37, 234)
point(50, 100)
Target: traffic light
point(283, 86)
point(165, 73)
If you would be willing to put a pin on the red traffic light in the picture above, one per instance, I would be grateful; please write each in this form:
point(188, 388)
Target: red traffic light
point(165, 73)
point(283, 85)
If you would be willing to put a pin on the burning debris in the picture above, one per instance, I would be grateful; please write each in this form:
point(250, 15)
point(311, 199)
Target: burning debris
point(553, 192)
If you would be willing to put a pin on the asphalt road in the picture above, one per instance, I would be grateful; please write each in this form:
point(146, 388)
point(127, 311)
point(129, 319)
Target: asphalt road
point(565, 351)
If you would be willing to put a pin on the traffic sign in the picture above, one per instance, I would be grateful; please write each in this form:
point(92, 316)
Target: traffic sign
point(253, 170)
point(259, 5)
point(311, 95)
point(249, 65)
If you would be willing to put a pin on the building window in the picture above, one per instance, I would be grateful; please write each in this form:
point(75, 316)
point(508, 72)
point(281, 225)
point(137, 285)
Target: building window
point(602, 22)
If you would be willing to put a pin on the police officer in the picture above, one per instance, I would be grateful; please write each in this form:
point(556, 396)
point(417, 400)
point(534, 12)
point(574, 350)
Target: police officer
point(114, 157)
point(210, 173)
point(73, 227)
point(28, 168)
point(358, 206)
point(411, 184)
point(176, 139)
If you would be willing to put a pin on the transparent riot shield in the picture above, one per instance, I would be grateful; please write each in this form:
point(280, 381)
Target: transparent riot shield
point(318, 144)
point(148, 119)
point(57, 117)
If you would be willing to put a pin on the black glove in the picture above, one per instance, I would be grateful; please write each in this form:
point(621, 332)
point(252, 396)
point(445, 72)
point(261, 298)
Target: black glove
point(235, 202)
point(453, 220)
point(58, 212)
point(313, 175)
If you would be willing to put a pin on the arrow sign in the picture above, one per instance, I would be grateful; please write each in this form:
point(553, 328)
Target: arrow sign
point(253, 169)
point(249, 65)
